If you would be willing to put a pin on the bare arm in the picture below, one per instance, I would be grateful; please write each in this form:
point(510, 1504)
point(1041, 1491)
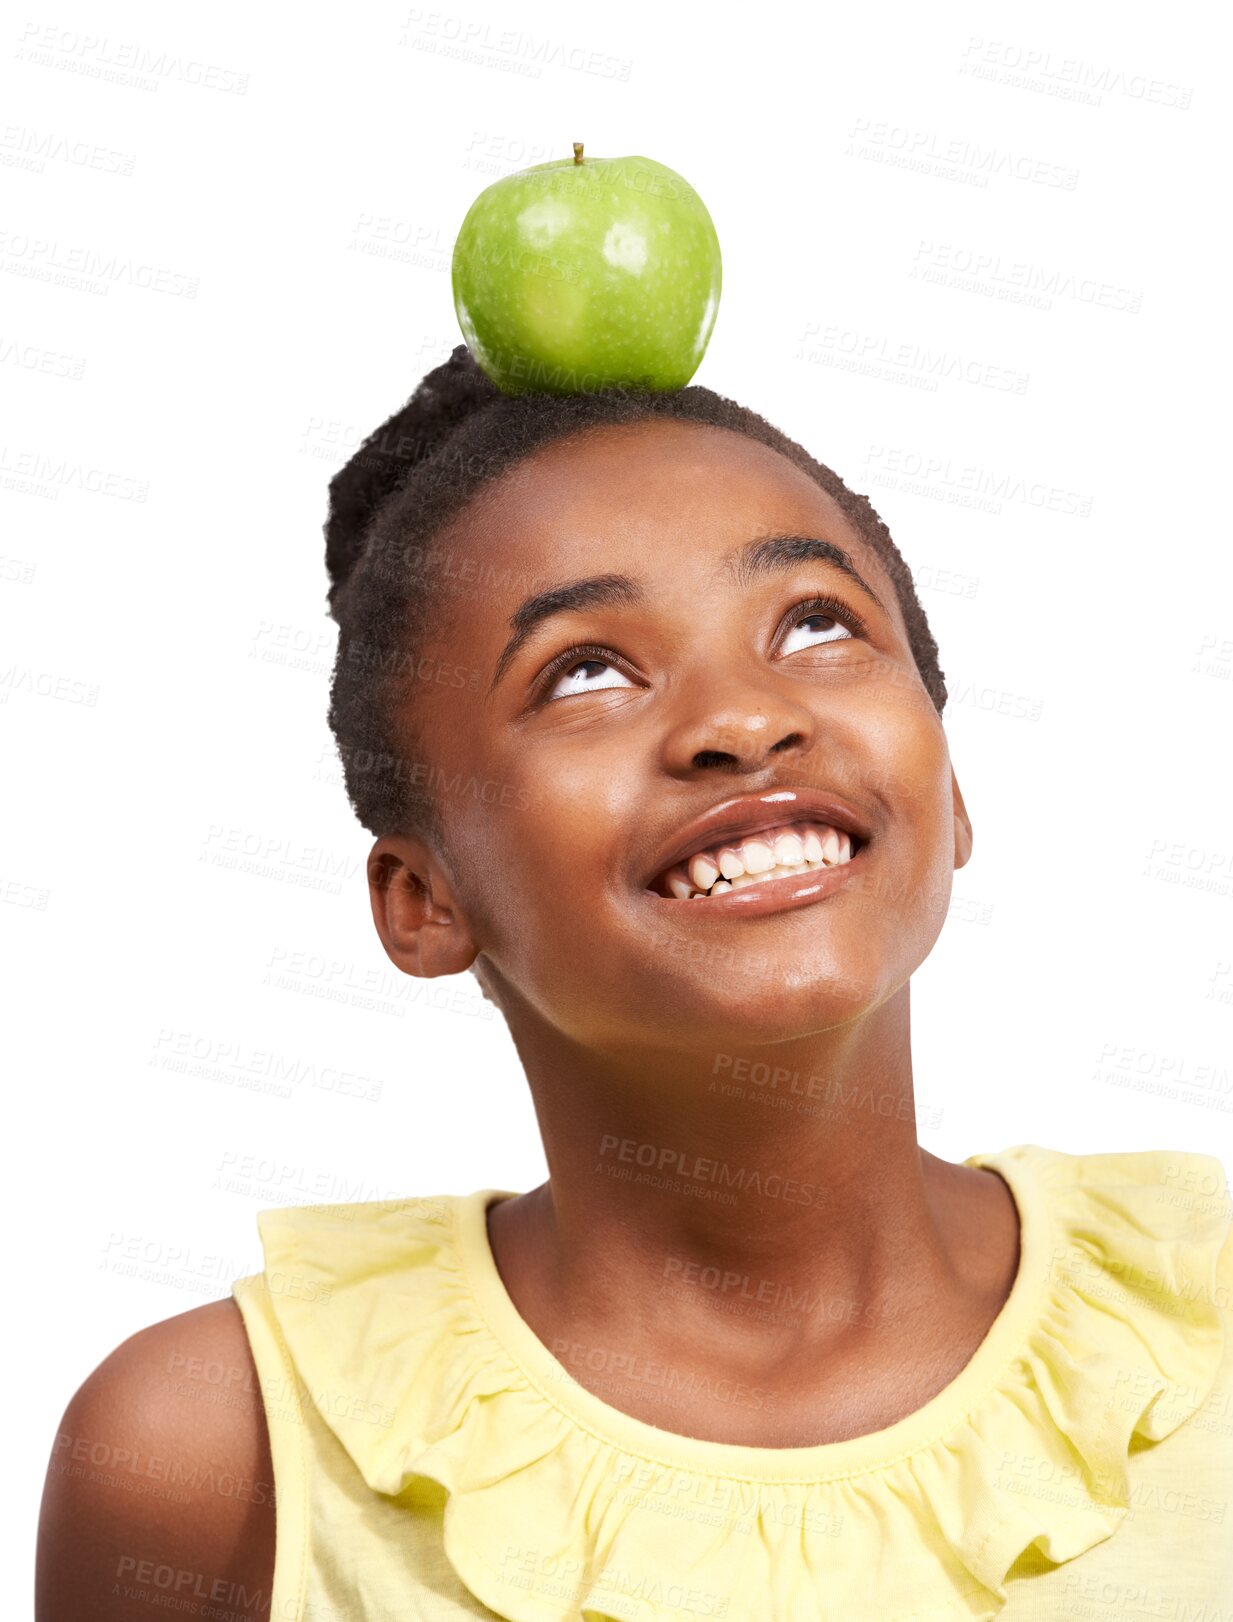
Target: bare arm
point(160, 1483)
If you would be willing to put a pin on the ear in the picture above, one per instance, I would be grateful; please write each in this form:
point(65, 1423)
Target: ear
point(963, 823)
point(413, 907)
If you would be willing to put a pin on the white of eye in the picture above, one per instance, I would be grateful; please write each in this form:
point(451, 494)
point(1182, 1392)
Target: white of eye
point(572, 676)
point(820, 614)
point(575, 683)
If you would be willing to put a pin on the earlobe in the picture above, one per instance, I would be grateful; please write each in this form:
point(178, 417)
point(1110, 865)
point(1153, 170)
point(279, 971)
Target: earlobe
point(421, 928)
point(963, 824)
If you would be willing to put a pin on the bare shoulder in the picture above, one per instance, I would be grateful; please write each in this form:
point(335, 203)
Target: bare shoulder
point(160, 1486)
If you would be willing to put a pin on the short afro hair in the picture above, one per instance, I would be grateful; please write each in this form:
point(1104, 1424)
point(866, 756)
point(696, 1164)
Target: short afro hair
point(390, 575)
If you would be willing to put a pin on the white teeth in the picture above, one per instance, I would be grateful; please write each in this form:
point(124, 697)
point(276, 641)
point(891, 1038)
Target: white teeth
point(757, 856)
point(730, 863)
point(799, 848)
point(702, 872)
point(780, 871)
point(789, 850)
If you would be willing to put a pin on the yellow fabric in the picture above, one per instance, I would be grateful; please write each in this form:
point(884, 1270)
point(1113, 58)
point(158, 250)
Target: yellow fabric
point(433, 1458)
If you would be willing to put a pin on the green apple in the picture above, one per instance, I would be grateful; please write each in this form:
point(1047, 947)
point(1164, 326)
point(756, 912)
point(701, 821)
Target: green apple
point(582, 274)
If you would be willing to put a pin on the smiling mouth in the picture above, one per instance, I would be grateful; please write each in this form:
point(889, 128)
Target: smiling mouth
point(781, 852)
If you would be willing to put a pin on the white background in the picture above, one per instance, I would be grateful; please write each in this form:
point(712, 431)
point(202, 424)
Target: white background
point(260, 229)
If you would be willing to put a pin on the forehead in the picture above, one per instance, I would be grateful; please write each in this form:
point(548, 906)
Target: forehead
point(653, 490)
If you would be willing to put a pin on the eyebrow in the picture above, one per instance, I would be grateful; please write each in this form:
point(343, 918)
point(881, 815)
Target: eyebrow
point(766, 554)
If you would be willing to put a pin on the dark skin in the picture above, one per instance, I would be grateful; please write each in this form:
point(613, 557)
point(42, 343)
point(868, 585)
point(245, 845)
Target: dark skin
point(621, 1006)
point(624, 1009)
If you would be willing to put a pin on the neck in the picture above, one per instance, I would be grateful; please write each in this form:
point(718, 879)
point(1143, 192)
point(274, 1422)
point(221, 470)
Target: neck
point(777, 1193)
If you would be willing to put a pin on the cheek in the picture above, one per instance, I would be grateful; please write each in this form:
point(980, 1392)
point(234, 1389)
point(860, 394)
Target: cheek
point(531, 881)
point(907, 769)
point(494, 815)
point(928, 819)
point(506, 875)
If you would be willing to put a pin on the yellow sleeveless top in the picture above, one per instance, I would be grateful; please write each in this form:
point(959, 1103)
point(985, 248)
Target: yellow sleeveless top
point(434, 1459)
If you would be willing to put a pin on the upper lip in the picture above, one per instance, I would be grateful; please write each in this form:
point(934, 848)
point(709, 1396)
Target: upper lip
point(750, 813)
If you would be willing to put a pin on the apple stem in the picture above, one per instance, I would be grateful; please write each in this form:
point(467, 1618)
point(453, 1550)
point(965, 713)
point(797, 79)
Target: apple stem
point(577, 151)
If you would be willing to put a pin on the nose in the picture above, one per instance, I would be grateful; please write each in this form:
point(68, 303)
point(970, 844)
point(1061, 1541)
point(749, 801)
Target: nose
point(734, 725)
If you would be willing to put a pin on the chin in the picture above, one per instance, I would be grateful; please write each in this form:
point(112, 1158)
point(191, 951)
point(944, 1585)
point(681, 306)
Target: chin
point(713, 1010)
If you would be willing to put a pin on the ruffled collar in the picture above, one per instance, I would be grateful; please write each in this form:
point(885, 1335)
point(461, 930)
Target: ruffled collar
point(560, 1506)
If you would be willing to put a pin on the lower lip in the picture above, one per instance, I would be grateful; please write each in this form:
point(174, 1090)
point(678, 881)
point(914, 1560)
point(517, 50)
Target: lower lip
point(770, 895)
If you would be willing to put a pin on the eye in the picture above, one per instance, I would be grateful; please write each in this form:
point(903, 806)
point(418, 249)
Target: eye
point(584, 668)
point(833, 621)
point(579, 670)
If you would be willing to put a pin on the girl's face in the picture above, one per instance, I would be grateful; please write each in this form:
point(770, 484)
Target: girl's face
point(565, 785)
